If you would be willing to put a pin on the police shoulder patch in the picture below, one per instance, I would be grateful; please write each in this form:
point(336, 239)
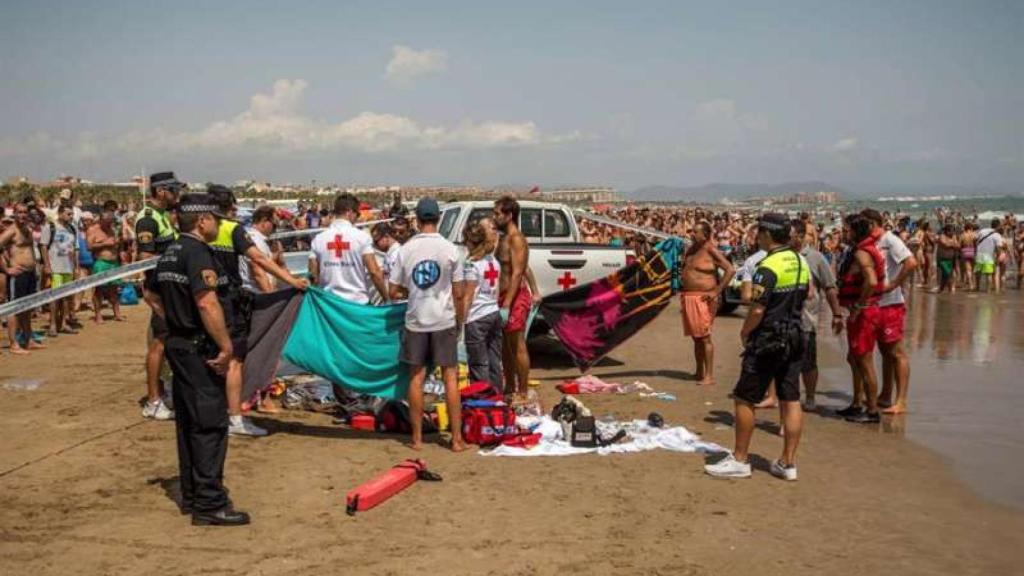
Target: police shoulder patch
point(757, 291)
point(210, 278)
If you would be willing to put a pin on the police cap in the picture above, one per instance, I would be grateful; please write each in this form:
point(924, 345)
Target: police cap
point(199, 204)
point(773, 221)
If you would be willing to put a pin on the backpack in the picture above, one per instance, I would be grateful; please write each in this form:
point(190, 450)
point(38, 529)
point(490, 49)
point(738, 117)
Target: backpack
point(84, 254)
point(488, 425)
point(486, 419)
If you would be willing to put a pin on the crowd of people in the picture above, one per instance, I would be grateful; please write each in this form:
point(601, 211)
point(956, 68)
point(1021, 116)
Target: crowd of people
point(862, 265)
point(207, 275)
point(50, 244)
point(210, 267)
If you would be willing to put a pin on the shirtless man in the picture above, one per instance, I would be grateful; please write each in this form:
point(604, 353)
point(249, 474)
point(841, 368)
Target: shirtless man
point(514, 298)
point(812, 230)
point(20, 267)
point(103, 242)
point(701, 290)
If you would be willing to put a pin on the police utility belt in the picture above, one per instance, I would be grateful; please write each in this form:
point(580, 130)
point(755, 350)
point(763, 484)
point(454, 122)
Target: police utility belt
point(198, 343)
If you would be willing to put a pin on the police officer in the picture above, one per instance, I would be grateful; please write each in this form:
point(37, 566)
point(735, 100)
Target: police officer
point(199, 350)
point(154, 232)
point(773, 339)
point(232, 243)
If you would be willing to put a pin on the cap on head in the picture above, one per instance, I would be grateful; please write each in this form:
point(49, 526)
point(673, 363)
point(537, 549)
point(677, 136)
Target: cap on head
point(773, 221)
point(222, 196)
point(427, 209)
point(165, 180)
point(199, 204)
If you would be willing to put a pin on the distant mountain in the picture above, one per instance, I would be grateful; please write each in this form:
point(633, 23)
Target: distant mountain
point(719, 191)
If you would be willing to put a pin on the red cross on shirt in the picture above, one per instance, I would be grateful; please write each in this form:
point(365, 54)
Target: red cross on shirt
point(491, 274)
point(339, 246)
point(567, 281)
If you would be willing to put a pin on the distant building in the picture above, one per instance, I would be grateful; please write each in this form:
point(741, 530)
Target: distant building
point(592, 195)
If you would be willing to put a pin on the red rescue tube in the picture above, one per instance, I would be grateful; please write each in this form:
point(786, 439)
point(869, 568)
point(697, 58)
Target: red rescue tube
point(387, 485)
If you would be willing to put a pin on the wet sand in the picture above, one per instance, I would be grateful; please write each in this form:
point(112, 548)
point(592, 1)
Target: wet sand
point(967, 358)
point(86, 487)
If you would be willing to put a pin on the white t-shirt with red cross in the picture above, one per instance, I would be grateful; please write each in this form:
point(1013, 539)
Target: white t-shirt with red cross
point(485, 273)
point(339, 252)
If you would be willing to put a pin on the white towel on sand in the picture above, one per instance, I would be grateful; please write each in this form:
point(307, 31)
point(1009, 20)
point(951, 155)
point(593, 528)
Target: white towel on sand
point(642, 437)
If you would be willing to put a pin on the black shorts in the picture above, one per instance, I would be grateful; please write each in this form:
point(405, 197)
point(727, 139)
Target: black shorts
point(810, 355)
point(238, 324)
point(24, 284)
point(759, 372)
point(434, 348)
point(158, 326)
point(239, 332)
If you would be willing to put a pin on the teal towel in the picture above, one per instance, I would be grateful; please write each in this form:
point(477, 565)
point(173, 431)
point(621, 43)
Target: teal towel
point(354, 345)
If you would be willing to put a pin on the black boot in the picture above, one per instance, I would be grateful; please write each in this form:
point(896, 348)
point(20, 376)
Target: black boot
point(226, 516)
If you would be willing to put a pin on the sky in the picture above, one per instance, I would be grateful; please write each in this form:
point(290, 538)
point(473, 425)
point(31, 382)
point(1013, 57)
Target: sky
point(867, 94)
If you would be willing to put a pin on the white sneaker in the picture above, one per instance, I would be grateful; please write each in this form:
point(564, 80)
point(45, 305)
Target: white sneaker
point(168, 400)
point(784, 472)
point(728, 467)
point(157, 411)
point(240, 426)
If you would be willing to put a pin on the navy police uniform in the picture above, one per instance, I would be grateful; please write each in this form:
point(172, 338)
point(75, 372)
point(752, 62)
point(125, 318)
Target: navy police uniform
point(186, 270)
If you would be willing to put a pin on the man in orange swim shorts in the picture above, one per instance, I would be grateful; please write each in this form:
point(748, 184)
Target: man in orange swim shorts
point(702, 288)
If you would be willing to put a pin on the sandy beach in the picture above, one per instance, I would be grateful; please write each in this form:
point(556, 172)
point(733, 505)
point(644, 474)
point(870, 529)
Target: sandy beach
point(86, 487)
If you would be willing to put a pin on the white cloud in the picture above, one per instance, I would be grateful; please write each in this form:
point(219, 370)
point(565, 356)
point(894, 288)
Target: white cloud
point(847, 144)
point(274, 123)
point(408, 64)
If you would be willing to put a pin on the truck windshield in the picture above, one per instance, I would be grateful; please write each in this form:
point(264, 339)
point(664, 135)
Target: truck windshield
point(448, 218)
point(530, 222)
point(556, 225)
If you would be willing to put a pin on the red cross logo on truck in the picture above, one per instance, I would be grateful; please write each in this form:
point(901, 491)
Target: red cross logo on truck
point(491, 274)
point(567, 281)
point(339, 246)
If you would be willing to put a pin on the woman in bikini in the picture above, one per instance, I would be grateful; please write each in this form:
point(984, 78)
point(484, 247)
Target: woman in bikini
point(923, 245)
point(1003, 258)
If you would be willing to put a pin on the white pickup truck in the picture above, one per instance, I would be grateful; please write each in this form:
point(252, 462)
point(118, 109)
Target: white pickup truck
point(558, 258)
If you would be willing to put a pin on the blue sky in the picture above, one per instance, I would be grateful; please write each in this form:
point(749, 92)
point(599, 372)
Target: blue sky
point(861, 94)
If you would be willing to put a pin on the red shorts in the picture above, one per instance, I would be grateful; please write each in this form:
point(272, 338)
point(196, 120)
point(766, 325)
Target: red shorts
point(520, 310)
point(863, 331)
point(892, 323)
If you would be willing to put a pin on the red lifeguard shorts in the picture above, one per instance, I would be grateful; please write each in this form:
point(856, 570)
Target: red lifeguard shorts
point(520, 310)
point(892, 319)
point(863, 332)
